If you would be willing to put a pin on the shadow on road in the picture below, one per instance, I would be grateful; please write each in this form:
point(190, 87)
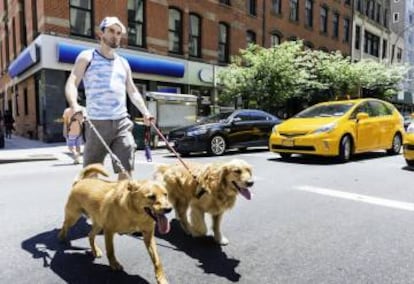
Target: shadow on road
point(321, 160)
point(211, 257)
point(228, 153)
point(73, 264)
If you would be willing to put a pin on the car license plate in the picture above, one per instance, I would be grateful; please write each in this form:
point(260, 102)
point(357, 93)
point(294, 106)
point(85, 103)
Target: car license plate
point(289, 142)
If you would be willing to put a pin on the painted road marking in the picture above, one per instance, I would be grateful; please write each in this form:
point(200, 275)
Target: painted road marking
point(358, 197)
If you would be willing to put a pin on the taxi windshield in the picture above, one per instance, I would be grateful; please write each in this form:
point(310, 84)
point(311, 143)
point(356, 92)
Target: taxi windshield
point(325, 110)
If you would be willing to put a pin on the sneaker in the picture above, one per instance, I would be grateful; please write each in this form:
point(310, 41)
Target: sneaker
point(76, 160)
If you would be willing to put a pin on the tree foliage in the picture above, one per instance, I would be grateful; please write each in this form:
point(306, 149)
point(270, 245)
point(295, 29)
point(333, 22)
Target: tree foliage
point(270, 77)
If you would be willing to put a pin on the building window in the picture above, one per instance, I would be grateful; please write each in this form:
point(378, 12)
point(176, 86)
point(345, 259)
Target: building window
point(324, 20)
point(251, 7)
point(357, 37)
point(294, 7)
point(309, 13)
point(25, 102)
point(396, 17)
point(22, 18)
point(359, 6)
point(14, 32)
point(34, 18)
point(277, 6)
point(386, 18)
point(194, 42)
point(371, 44)
point(81, 18)
point(346, 30)
point(223, 41)
point(378, 15)
point(384, 48)
point(370, 9)
point(136, 29)
point(399, 54)
point(335, 25)
point(275, 39)
point(175, 31)
point(250, 37)
point(225, 2)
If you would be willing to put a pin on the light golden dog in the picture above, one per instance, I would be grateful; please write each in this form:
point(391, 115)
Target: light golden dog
point(119, 207)
point(221, 183)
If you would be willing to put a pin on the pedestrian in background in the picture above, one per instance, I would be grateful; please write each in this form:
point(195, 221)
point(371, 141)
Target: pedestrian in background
point(107, 77)
point(8, 123)
point(72, 131)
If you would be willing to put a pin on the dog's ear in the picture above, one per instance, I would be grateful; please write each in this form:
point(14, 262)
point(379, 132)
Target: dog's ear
point(224, 171)
point(133, 186)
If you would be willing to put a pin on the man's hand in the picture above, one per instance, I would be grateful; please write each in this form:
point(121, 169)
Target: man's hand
point(148, 119)
point(76, 108)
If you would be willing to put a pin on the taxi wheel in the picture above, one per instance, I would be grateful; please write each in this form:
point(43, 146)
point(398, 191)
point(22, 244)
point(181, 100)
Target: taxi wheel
point(396, 145)
point(410, 162)
point(285, 156)
point(217, 145)
point(345, 149)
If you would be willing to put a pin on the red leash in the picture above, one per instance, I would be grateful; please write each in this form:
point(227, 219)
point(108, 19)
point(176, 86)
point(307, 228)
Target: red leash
point(172, 149)
point(201, 191)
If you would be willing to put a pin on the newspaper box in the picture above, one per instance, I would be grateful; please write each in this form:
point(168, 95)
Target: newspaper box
point(171, 110)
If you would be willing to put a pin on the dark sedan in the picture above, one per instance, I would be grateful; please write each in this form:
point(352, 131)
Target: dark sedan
point(217, 133)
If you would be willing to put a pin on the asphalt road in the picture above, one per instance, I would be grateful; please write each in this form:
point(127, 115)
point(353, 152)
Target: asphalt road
point(310, 221)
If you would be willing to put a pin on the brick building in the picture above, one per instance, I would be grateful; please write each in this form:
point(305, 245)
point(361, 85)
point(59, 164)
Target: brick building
point(171, 45)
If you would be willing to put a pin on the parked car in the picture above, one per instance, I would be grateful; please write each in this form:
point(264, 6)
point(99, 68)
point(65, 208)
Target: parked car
point(407, 120)
point(233, 129)
point(340, 128)
point(408, 148)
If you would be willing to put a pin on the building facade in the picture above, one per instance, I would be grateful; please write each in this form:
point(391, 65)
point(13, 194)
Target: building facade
point(172, 45)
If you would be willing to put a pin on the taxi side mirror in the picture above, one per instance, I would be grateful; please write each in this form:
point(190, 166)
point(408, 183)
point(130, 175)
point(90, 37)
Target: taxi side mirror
point(362, 115)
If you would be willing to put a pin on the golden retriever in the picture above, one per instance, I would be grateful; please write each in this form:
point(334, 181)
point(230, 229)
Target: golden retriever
point(222, 182)
point(118, 207)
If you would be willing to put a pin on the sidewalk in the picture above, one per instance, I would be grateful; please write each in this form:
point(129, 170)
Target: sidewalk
point(20, 149)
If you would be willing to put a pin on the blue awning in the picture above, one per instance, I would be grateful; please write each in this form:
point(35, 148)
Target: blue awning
point(67, 53)
point(24, 61)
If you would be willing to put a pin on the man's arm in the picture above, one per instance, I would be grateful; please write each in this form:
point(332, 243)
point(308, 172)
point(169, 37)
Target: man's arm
point(75, 77)
point(136, 97)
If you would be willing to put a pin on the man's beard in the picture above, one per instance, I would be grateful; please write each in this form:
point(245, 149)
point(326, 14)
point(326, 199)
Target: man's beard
point(111, 44)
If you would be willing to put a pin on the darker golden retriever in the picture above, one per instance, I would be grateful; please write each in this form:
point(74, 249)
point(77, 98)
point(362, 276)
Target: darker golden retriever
point(119, 207)
point(222, 182)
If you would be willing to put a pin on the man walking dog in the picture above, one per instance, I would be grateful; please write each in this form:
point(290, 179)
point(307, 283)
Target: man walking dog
point(107, 77)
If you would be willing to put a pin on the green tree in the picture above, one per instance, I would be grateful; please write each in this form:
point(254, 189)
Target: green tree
point(275, 77)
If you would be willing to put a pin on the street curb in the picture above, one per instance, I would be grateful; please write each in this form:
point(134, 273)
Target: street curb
point(28, 158)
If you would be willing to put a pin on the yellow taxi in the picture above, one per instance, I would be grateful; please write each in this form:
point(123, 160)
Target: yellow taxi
point(409, 145)
point(341, 129)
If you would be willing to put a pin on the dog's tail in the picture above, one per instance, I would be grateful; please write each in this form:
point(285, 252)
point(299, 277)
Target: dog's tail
point(91, 171)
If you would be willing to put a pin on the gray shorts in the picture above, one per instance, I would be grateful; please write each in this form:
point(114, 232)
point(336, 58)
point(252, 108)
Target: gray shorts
point(117, 134)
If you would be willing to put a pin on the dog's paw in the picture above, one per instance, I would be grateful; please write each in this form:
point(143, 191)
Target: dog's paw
point(162, 280)
point(97, 253)
point(223, 241)
point(116, 266)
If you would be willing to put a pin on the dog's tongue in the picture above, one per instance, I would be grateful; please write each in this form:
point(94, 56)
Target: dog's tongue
point(163, 224)
point(246, 193)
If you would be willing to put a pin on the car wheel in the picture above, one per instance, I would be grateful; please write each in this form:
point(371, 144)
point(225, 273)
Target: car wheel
point(217, 145)
point(184, 154)
point(396, 145)
point(345, 149)
point(285, 156)
point(410, 162)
